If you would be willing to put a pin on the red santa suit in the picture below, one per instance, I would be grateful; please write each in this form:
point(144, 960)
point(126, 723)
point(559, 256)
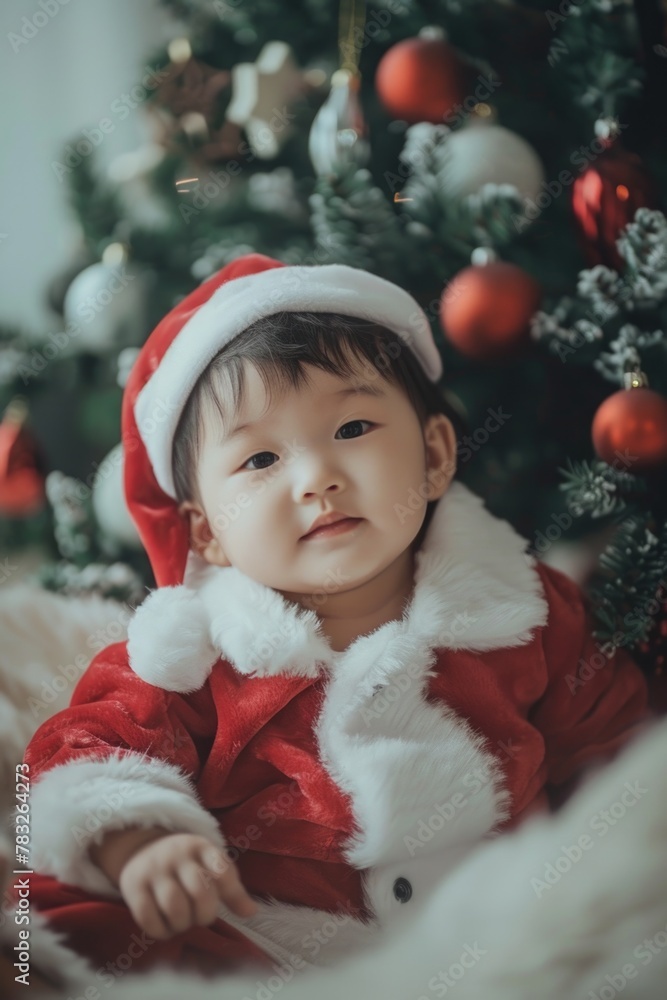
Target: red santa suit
point(346, 784)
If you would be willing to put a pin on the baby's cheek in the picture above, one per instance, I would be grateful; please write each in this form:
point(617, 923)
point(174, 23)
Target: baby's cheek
point(253, 524)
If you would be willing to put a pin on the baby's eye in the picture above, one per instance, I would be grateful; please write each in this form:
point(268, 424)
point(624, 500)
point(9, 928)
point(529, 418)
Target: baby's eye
point(255, 468)
point(353, 423)
point(265, 465)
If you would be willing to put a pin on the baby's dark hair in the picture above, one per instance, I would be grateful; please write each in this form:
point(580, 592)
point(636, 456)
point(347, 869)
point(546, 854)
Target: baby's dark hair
point(278, 346)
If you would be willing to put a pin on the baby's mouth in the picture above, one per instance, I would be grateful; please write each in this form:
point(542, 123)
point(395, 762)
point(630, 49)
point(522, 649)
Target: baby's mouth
point(331, 530)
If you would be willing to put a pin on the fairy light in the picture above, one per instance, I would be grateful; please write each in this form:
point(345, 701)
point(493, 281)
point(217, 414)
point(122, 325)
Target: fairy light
point(185, 180)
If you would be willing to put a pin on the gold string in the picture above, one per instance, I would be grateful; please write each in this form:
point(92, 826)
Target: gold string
point(351, 22)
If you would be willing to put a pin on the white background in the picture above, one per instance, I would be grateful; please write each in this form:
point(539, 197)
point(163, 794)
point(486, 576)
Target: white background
point(63, 79)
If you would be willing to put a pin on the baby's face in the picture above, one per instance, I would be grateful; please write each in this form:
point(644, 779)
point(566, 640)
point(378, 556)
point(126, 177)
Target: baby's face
point(319, 449)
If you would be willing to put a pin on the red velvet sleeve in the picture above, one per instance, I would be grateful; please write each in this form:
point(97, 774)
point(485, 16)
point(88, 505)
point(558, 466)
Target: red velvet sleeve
point(114, 709)
point(124, 753)
point(596, 697)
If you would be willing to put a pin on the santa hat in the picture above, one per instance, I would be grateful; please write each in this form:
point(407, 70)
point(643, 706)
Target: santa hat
point(191, 334)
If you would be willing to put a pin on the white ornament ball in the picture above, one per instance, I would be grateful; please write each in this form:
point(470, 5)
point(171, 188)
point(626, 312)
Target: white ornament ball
point(105, 307)
point(480, 153)
point(108, 499)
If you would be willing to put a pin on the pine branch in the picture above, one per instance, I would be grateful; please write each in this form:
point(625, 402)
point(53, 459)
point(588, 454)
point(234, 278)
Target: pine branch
point(632, 569)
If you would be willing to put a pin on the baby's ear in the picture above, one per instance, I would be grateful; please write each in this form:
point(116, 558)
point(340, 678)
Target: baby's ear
point(202, 539)
point(440, 447)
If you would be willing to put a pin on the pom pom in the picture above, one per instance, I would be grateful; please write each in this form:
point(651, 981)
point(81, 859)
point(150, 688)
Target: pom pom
point(168, 640)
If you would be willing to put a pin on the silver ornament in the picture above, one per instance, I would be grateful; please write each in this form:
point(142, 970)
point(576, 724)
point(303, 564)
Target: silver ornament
point(337, 137)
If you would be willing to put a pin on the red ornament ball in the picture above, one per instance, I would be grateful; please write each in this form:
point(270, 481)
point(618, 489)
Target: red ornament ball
point(605, 198)
point(632, 423)
point(422, 80)
point(22, 492)
point(485, 310)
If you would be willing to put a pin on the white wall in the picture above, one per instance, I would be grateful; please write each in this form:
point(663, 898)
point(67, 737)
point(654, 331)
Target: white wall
point(65, 78)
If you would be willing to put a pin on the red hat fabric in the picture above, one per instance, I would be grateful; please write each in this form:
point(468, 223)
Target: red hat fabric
point(185, 341)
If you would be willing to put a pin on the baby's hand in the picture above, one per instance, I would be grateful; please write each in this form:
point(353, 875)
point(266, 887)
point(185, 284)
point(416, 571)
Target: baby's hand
point(177, 881)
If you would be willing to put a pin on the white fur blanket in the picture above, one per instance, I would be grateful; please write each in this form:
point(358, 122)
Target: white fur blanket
point(526, 915)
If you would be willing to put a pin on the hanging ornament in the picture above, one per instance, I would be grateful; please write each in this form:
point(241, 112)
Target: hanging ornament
point(338, 135)
point(105, 306)
point(423, 79)
point(261, 93)
point(633, 423)
point(482, 152)
point(485, 310)
point(606, 195)
point(22, 491)
point(108, 498)
point(188, 108)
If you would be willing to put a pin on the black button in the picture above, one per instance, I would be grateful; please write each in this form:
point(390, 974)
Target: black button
point(402, 890)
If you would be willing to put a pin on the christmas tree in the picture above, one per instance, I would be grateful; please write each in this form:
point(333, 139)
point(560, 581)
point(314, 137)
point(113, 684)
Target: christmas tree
point(504, 162)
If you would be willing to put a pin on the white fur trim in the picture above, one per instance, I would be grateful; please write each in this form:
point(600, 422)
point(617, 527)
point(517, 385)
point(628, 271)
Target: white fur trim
point(75, 804)
point(48, 640)
point(475, 588)
point(400, 758)
point(168, 643)
point(317, 937)
point(238, 303)
point(290, 640)
point(515, 944)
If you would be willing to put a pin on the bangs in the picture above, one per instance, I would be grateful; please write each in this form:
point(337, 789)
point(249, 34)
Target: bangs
point(279, 347)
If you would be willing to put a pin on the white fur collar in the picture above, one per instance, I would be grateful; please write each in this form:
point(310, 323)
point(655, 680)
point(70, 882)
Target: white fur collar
point(475, 588)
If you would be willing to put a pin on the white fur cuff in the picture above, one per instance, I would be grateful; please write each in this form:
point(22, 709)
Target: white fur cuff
point(75, 804)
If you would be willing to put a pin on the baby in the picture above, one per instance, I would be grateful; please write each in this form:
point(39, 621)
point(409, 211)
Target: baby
point(350, 672)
